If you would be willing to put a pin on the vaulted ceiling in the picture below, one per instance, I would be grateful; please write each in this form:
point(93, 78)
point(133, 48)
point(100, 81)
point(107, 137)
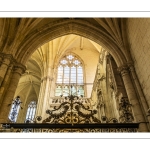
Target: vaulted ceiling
point(22, 36)
point(29, 84)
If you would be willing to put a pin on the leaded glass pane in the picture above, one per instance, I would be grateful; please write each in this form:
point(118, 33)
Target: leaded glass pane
point(70, 72)
point(70, 57)
point(60, 74)
point(64, 62)
point(31, 111)
point(73, 75)
point(65, 91)
point(66, 74)
point(73, 90)
point(58, 91)
point(14, 110)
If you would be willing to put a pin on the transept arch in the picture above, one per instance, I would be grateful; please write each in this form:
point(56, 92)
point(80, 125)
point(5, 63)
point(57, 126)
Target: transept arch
point(81, 28)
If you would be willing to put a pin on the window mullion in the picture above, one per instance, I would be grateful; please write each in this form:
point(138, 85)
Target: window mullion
point(76, 79)
point(14, 109)
point(62, 87)
point(70, 74)
point(69, 79)
point(29, 112)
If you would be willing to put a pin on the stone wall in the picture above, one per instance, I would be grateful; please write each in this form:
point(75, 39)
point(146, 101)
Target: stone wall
point(90, 58)
point(139, 40)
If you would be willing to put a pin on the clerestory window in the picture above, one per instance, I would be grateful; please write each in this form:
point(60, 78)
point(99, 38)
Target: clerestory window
point(70, 74)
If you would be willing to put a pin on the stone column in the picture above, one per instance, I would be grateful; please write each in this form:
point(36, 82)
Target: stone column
point(102, 111)
point(4, 66)
point(43, 97)
point(98, 112)
point(9, 95)
point(39, 104)
point(5, 83)
point(1, 58)
point(137, 111)
point(143, 101)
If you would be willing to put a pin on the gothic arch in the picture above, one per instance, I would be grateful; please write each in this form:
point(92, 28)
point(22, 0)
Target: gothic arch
point(51, 31)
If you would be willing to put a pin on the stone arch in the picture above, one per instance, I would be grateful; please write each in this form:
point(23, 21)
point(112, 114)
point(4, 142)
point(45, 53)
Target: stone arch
point(51, 31)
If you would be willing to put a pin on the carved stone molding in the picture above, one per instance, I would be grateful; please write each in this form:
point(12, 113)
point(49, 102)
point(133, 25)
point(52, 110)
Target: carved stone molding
point(10, 66)
point(102, 104)
point(131, 67)
point(6, 59)
point(8, 56)
point(19, 68)
point(100, 77)
point(1, 59)
point(46, 78)
point(102, 55)
point(123, 70)
point(148, 111)
point(125, 111)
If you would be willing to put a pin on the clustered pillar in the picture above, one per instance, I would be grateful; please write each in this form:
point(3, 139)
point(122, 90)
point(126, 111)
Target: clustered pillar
point(137, 111)
point(143, 101)
point(5, 69)
point(10, 73)
point(44, 96)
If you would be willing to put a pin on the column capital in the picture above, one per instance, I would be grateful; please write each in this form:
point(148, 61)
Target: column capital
point(131, 67)
point(19, 68)
point(10, 66)
point(1, 59)
point(8, 56)
point(124, 69)
point(5, 59)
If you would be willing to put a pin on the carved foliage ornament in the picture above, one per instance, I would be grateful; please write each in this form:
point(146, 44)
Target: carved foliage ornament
point(125, 111)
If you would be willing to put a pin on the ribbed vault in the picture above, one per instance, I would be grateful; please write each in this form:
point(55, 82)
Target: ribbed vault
point(49, 55)
point(22, 36)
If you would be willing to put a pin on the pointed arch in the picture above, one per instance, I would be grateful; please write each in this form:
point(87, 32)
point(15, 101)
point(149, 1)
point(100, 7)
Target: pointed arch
point(66, 27)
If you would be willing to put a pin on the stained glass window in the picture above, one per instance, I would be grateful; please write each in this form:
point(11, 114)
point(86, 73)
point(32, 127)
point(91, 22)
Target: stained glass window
point(31, 111)
point(70, 73)
point(14, 109)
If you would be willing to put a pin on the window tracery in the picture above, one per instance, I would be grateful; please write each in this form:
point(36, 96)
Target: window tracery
point(70, 73)
point(31, 111)
point(14, 109)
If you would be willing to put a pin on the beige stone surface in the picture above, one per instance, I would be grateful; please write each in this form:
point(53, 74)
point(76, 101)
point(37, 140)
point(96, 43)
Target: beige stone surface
point(139, 34)
point(37, 44)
